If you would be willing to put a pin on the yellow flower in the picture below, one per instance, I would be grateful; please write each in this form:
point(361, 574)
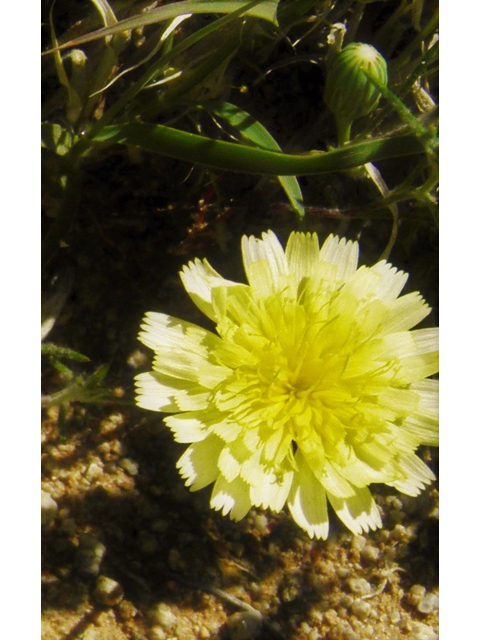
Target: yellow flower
point(313, 387)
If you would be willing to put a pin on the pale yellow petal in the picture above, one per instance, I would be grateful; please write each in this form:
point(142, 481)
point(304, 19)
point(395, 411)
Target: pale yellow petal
point(391, 281)
point(269, 487)
point(229, 464)
point(274, 492)
point(154, 395)
point(359, 513)
point(335, 483)
point(424, 426)
point(264, 262)
point(158, 392)
point(416, 352)
point(303, 256)
point(199, 463)
point(343, 254)
point(405, 312)
point(307, 501)
point(413, 473)
point(187, 427)
point(183, 350)
point(199, 278)
point(231, 498)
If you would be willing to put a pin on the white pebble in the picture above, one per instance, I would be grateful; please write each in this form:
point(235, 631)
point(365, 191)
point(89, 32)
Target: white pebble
point(157, 633)
point(428, 604)
point(49, 509)
point(261, 523)
point(107, 591)
point(421, 631)
point(370, 553)
point(163, 616)
point(416, 594)
point(94, 471)
point(361, 609)
point(359, 586)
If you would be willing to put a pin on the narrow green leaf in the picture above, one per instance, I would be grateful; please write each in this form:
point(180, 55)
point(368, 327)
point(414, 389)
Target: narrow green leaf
point(253, 131)
point(63, 352)
point(263, 9)
point(74, 104)
point(229, 156)
point(105, 10)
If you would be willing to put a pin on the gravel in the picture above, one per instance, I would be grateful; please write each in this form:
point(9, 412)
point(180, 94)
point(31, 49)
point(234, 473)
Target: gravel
point(107, 591)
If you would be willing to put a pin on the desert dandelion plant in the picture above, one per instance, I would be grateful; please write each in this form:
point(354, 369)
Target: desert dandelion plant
point(312, 388)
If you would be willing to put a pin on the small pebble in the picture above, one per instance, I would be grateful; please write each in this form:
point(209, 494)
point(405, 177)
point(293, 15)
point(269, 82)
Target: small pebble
point(397, 504)
point(126, 610)
point(137, 359)
point(394, 616)
point(130, 466)
point(359, 542)
point(402, 533)
point(370, 553)
point(89, 555)
point(242, 626)
point(260, 522)
point(422, 631)
point(107, 591)
point(163, 616)
point(361, 609)
point(343, 631)
point(416, 594)
point(94, 471)
point(49, 509)
point(343, 572)
point(428, 604)
point(359, 586)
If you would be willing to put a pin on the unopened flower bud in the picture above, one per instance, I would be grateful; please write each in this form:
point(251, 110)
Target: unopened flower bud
point(349, 91)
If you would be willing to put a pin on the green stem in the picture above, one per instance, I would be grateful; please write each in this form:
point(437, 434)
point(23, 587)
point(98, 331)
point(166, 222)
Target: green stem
point(229, 156)
point(344, 131)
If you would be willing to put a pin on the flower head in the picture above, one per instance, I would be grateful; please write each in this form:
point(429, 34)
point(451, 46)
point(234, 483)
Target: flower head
point(312, 388)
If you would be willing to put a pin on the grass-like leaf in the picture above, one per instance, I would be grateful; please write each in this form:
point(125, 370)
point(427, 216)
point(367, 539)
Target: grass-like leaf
point(50, 349)
point(263, 9)
point(254, 132)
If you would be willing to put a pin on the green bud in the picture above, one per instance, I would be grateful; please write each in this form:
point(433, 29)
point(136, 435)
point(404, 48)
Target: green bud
point(349, 91)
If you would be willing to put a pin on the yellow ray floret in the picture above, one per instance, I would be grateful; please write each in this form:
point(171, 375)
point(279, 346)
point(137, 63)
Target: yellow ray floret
point(313, 386)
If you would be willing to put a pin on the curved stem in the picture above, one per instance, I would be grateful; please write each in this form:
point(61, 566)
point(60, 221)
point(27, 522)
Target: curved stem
point(229, 156)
